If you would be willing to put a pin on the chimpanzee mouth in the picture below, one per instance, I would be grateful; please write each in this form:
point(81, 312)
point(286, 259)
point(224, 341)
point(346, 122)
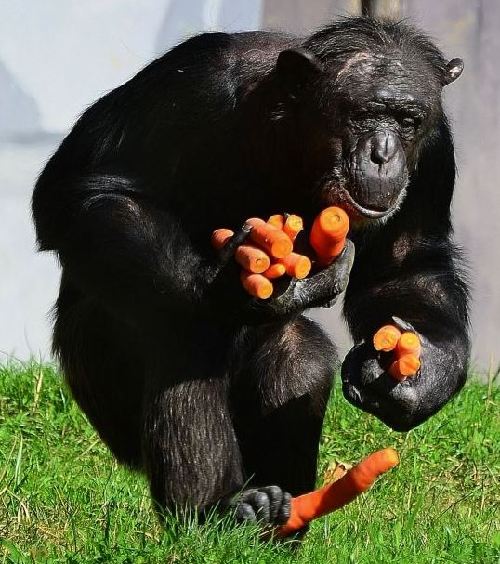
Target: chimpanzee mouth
point(366, 212)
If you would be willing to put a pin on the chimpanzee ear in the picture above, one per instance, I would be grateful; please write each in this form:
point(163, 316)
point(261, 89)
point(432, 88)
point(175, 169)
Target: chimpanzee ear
point(297, 67)
point(453, 70)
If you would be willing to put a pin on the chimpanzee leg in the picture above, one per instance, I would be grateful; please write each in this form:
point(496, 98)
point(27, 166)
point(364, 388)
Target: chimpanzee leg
point(191, 453)
point(281, 393)
point(102, 363)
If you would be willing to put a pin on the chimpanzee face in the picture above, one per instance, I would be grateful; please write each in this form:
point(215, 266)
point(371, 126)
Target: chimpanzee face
point(363, 120)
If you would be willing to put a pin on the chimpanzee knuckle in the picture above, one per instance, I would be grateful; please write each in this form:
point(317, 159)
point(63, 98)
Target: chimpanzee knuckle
point(245, 512)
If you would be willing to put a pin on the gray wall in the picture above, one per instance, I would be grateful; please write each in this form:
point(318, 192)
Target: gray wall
point(56, 57)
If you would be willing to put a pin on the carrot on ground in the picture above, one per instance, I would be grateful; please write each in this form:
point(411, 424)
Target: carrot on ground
point(275, 271)
point(220, 237)
point(405, 366)
point(271, 239)
point(297, 266)
point(257, 285)
point(252, 259)
point(386, 338)
point(357, 480)
point(328, 233)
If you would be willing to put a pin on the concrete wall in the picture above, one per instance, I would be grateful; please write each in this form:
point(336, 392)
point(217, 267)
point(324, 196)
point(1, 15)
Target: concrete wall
point(57, 57)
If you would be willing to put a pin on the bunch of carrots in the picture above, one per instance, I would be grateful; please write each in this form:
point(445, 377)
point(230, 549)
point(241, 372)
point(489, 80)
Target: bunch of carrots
point(405, 348)
point(270, 255)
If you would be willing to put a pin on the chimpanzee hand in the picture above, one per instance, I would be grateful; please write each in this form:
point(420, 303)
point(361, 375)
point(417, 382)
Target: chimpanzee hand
point(313, 291)
point(403, 404)
point(268, 505)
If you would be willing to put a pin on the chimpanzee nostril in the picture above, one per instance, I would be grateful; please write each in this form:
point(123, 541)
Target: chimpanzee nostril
point(383, 147)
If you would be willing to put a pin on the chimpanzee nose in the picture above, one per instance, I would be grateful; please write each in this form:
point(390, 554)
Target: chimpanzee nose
point(383, 147)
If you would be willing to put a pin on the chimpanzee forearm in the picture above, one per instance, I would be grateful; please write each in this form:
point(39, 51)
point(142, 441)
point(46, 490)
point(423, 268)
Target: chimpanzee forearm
point(120, 248)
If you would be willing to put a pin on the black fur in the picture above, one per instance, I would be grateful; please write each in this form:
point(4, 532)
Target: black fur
point(185, 376)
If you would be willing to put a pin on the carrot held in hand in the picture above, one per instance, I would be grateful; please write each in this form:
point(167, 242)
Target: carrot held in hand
point(409, 343)
point(293, 226)
point(386, 338)
point(220, 237)
point(271, 239)
point(328, 233)
point(277, 221)
point(257, 285)
point(357, 480)
point(252, 259)
point(275, 271)
point(296, 266)
point(405, 366)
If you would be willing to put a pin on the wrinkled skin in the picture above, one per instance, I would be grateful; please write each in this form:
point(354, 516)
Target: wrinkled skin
point(218, 397)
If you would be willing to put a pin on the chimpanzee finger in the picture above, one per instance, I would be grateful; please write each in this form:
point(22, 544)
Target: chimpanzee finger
point(403, 325)
point(275, 495)
point(228, 250)
point(245, 512)
point(285, 510)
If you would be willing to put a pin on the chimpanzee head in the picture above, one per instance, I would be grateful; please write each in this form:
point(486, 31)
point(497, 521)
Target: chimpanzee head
point(364, 96)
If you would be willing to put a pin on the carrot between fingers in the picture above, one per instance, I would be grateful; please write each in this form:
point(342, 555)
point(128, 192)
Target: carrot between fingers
point(296, 266)
point(277, 221)
point(271, 239)
point(257, 285)
point(357, 480)
point(328, 233)
point(405, 366)
point(293, 226)
point(386, 338)
point(220, 237)
point(409, 343)
point(275, 271)
point(252, 259)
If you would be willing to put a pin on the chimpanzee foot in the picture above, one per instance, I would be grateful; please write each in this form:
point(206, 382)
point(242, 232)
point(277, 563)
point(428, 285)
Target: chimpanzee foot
point(269, 505)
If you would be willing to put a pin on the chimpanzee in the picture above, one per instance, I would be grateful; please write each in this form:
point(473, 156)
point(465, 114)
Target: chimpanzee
point(217, 396)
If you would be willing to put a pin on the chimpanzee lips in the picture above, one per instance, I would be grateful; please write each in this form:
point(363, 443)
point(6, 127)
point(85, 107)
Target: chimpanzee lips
point(366, 212)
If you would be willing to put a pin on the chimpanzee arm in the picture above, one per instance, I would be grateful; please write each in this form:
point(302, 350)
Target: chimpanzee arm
point(120, 247)
point(411, 270)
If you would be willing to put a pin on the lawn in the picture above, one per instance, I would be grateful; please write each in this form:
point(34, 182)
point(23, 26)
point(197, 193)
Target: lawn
point(64, 499)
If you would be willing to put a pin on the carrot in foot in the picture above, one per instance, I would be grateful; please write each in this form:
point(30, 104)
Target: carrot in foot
point(271, 239)
point(257, 285)
point(328, 233)
point(275, 271)
point(297, 266)
point(220, 237)
point(405, 366)
point(357, 480)
point(252, 259)
point(386, 338)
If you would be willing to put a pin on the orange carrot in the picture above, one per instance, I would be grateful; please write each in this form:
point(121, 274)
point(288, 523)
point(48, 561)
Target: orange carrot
point(409, 343)
point(386, 338)
point(297, 266)
point(274, 271)
point(252, 259)
point(272, 240)
point(328, 233)
point(220, 237)
point(293, 226)
point(277, 221)
point(257, 285)
point(405, 366)
point(357, 480)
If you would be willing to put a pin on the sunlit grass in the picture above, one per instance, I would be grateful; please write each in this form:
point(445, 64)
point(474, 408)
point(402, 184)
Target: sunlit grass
point(64, 499)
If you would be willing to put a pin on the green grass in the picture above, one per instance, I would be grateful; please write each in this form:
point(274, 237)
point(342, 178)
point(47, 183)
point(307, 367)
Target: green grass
point(64, 499)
